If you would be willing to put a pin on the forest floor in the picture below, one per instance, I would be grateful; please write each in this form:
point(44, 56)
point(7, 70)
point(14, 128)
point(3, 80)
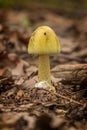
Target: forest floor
point(24, 107)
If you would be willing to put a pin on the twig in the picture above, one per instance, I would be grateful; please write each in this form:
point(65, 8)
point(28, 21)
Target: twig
point(64, 97)
point(71, 74)
point(69, 99)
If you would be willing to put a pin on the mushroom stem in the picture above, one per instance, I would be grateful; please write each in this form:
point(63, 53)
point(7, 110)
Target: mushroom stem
point(44, 68)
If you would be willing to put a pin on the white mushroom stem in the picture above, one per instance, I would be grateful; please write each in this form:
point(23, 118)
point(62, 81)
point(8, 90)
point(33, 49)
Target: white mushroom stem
point(44, 68)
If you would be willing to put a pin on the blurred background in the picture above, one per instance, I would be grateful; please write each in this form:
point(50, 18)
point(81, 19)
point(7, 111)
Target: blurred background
point(59, 4)
point(63, 5)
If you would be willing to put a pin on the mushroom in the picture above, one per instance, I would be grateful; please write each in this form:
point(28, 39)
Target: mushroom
point(44, 42)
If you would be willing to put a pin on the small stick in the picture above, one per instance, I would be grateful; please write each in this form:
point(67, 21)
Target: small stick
point(66, 98)
point(71, 74)
point(69, 99)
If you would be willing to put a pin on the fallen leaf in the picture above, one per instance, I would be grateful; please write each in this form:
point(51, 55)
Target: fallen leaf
point(2, 71)
point(31, 82)
point(19, 69)
point(20, 93)
point(31, 70)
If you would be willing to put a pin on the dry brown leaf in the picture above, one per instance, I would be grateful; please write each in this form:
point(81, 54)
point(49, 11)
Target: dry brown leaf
point(19, 69)
point(2, 71)
point(32, 69)
point(55, 80)
point(31, 82)
point(20, 93)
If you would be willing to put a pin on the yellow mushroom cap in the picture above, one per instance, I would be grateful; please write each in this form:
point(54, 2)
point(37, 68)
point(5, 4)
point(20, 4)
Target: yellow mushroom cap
point(43, 41)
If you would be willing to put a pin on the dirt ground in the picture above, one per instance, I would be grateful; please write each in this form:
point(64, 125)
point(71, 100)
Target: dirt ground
point(24, 107)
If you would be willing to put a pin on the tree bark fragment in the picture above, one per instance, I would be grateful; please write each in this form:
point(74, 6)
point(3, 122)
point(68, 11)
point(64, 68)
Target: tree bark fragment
point(71, 74)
